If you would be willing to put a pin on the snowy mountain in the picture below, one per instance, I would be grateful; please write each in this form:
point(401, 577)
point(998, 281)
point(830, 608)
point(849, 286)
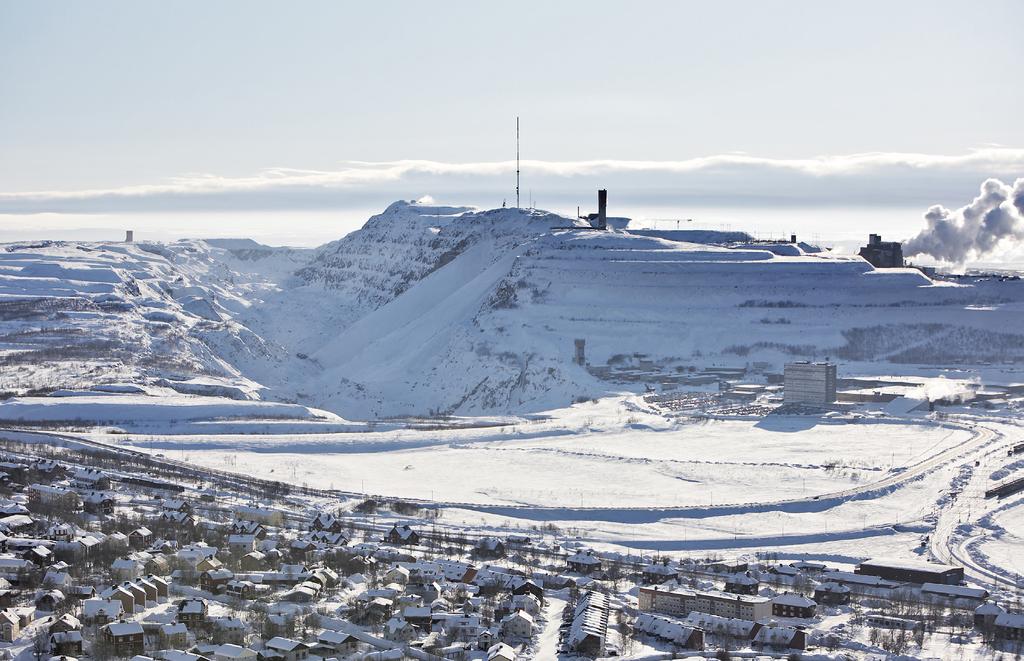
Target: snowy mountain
point(449, 309)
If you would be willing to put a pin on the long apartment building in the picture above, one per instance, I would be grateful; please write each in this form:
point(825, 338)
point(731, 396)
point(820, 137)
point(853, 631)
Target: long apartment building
point(682, 601)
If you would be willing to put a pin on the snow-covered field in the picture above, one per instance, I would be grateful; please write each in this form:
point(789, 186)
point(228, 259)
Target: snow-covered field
point(568, 466)
point(807, 486)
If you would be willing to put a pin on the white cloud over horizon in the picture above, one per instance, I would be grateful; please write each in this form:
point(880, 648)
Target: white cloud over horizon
point(875, 178)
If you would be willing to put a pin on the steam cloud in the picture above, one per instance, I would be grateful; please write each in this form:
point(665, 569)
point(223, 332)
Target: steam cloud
point(993, 219)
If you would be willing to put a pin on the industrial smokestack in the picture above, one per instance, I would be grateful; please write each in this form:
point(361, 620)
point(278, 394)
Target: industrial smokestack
point(602, 209)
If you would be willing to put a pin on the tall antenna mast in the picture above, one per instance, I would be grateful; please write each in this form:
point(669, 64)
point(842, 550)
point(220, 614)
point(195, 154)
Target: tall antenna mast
point(517, 161)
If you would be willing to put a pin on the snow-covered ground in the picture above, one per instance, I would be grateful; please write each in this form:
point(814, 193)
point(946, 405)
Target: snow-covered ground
point(834, 488)
point(576, 464)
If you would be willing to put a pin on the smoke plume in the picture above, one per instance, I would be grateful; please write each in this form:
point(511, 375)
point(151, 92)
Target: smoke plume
point(995, 218)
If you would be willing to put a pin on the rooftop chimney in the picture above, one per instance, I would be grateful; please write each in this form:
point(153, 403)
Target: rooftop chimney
point(602, 209)
point(129, 236)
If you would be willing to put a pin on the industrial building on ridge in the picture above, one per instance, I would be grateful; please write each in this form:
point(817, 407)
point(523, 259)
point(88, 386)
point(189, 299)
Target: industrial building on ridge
point(809, 383)
point(882, 254)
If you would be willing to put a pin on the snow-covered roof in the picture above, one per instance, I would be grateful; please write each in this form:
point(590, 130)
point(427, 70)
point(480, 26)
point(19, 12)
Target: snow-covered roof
point(774, 634)
point(334, 637)
point(124, 628)
point(794, 600)
point(231, 651)
point(94, 607)
point(908, 565)
point(1010, 620)
point(664, 627)
point(957, 591)
point(283, 644)
point(989, 608)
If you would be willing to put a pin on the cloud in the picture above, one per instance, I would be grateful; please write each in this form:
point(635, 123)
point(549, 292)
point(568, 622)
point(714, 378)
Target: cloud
point(869, 178)
point(993, 220)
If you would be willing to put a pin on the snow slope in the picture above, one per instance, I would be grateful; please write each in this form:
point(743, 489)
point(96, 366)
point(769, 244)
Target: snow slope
point(432, 309)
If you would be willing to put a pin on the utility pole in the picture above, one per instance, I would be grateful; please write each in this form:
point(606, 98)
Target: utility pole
point(517, 161)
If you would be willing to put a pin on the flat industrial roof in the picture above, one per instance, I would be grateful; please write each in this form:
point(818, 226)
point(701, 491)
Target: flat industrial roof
point(909, 565)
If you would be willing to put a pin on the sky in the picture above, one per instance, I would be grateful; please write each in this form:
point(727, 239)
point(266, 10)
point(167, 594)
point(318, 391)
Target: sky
point(294, 121)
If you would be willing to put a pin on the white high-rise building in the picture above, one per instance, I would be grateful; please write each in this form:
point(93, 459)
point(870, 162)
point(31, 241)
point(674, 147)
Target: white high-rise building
point(810, 383)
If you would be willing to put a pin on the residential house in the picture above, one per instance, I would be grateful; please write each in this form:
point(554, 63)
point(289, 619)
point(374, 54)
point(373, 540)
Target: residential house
point(215, 580)
point(490, 547)
point(985, 615)
point(525, 602)
point(658, 572)
point(1009, 626)
point(99, 502)
point(229, 629)
point(254, 561)
point(140, 538)
point(287, 649)
point(254, 528)
point(126, 638)
point(741, 584)
point(326, 522)
point(501, 652)
point(66, 643)
point(398, 630)
point(232, 652)
point(240, 589)
point(163, 588)
point(777, 637)
point(138, 593)
point(66, 622)
point(397, 574)
point(49, 600)
point(340, 643)
point(10, 625)
point(793, 605)
point(118, 593)
point(151, 590)
point(101, 611)
point(174, 635)
point(517, 627)
point(40, 555)
point(241, 544)
point(520, 585)
point(325, 576)
point(418, 616)
point(669, 629)
point(192, 612)
point(90, 478)
point(177, 505)
point(402, 535)
point(832, 594)
point(584, 562)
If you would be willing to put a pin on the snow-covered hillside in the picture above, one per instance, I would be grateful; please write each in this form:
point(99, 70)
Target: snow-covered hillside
point(449, 309)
